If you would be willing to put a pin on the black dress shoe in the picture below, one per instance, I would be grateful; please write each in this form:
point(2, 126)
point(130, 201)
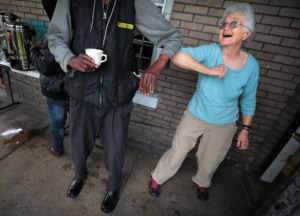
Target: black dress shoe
point(110, 201)
point(74, 188)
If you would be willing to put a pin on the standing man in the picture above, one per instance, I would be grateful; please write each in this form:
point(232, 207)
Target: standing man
point(101, 96)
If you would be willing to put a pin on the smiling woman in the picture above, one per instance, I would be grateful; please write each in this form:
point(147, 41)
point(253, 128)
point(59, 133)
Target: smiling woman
point(227, 76)
point(247, 13)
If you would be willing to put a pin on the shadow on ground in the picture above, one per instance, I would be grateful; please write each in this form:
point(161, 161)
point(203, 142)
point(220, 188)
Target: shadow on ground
point(34, 182)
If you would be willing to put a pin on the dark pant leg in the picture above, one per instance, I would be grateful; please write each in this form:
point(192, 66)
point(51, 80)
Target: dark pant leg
point(84, 126)
point(115, 128)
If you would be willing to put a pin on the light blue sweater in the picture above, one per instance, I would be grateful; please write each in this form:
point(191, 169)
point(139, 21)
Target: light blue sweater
point(216, 99)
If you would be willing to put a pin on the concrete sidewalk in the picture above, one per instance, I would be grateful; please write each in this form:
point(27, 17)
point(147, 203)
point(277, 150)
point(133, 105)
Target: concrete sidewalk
point(34, 182)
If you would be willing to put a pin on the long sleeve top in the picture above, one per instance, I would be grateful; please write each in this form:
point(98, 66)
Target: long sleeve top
point(216, 100)
point(149, 21)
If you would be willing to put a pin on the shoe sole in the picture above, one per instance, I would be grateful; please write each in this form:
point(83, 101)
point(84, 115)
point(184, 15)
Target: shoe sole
point(106, 211)
point(72, 196)
point(153, 194)
point(202, 199)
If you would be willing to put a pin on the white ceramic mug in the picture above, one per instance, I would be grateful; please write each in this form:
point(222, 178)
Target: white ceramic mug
point(97, 55)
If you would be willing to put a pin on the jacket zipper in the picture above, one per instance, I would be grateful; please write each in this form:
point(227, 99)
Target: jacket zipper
point(109, 18)
point(106, 23)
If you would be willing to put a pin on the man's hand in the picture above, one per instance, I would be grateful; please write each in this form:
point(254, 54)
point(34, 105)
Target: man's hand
point(37, 44)
point(243, 141)
point(83, 63)
point(148, 78)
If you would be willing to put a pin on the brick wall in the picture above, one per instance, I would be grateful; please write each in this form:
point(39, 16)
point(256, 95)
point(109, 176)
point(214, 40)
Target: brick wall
point(276, 46)
point(31, 11)
point(24, 88)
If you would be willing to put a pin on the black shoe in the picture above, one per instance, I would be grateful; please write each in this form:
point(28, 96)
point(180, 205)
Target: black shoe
point(153, 187)
point(110, 201)
point(75, 188)
point(202, 193)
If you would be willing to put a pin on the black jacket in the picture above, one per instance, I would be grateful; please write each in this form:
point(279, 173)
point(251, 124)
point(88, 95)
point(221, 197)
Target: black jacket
point(113, 83)
point(51, 75)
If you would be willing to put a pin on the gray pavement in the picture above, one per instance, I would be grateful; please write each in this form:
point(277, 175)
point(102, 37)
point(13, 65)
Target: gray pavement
point(34, 182)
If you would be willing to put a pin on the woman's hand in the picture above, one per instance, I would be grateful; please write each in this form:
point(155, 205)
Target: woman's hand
point(82, 63)
point(219, 71)
point(243, 141)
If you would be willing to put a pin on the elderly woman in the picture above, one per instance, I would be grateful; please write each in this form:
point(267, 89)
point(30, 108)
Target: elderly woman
point(226, 75)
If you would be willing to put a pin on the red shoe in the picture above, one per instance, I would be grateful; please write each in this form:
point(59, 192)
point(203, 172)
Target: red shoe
point(202, 192)
point(153, 187)
point(56, 154)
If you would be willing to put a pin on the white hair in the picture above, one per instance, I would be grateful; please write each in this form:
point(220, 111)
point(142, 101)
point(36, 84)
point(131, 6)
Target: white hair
point(247, 11)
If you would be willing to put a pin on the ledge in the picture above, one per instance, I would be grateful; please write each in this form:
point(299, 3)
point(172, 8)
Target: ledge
point(139, 98)
point(148, 101)
point(31, 73)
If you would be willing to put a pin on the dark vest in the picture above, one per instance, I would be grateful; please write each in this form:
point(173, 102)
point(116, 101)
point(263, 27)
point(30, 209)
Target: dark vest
point(113, 83)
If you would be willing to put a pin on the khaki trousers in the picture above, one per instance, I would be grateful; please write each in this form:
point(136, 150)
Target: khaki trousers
point(214, 144)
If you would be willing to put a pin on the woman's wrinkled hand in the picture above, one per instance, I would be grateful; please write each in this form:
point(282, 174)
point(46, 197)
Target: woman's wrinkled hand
point(243, 141)
point(83, 63)
point(219, 71)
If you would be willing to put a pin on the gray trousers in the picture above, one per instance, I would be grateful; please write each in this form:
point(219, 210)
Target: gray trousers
point(87, 122)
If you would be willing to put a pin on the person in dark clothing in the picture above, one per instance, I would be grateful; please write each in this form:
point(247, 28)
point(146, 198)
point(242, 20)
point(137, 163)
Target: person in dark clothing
point(52, 85)
point(101, 96)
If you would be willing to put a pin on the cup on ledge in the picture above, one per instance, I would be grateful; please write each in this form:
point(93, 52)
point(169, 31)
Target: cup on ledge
point(97, 55)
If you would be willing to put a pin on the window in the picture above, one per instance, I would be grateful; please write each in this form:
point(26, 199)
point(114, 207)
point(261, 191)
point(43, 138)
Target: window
point(146, 53)
point(160, 4)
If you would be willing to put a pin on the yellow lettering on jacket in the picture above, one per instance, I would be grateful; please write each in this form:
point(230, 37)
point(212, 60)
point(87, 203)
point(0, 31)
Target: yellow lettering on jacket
point(125, 25)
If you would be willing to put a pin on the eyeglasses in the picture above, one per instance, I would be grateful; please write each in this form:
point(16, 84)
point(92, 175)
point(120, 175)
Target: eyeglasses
point(233, 24)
